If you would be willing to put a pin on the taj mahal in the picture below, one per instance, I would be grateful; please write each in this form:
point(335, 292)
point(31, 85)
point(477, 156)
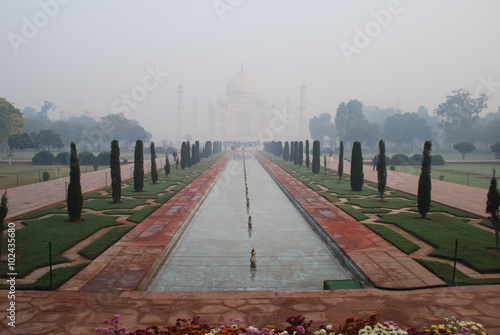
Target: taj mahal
point(243, 113)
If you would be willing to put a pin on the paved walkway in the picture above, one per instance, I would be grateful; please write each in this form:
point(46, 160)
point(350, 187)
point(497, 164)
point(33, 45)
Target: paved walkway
point(78, 309)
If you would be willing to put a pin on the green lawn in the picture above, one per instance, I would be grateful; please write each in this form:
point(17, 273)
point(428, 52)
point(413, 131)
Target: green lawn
point(477, 175)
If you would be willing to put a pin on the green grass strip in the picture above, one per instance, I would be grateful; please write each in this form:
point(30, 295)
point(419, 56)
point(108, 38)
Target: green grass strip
point(32, 240)
point(164, 198)
point(400, 242)
point(100, 245)
point(125, 203)
point(386, 203)
point(140, 215)
point(57, 209)
point(441, 231)
point(445, 272)
point(355, 213)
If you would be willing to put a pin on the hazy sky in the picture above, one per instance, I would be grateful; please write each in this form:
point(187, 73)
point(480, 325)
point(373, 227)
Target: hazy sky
point(379, 52)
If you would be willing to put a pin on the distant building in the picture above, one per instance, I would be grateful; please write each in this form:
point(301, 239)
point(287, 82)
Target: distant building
point(242, 113)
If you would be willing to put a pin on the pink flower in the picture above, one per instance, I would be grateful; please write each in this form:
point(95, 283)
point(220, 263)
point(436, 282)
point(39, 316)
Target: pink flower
point(301, 330)
point(106, 321)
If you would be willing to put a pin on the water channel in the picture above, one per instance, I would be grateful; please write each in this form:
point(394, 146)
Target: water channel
point(214, 251)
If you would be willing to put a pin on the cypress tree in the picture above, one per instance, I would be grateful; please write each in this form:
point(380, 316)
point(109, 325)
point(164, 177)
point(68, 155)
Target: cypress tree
point(139, 166)
point(183, 155)
point(154, 171)
point(188, 157)
point(324, 162)
point(424, 181)
point(307, 154)
point(316, 165)
point(357, 175)
point(301, 153)
point(341, 160)
point(492, 206)
point(116, 175)
point(296, 153)
point(74, 199)
point(292, 151)
point(286, 151)
point(198, 156)
point(381, 169)
point(167, 166)
point(193, 154)
point(4, 209)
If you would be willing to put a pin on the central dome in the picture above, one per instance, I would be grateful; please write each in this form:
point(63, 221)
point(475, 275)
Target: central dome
point(242, 84)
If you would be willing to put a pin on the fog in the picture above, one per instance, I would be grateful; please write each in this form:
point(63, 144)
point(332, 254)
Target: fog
point(383, 53)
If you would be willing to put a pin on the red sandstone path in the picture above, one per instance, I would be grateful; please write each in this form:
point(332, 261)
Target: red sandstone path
point(78, 309)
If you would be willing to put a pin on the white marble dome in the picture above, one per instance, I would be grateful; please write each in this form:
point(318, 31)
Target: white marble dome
point(242, 85)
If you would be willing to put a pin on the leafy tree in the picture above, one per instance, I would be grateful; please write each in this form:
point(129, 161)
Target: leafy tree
point(381, 169)
point(496, 149)
point(183, 155)
point(464, 148)
point(11, 120)
point(47, 138)
point(357, 175)
point(406, 128)
point(74, 198)
point(307, 154)
point(154, 172)
point(352, 125)
point(341, 160)
point(139, 166)
point(4, 209)
point(322, 129)
point(459, 113)
point(424, 181)
point(492, 206)
point(286, 152)
point(316, 157)
point(116, 175)
point(300, 153)
point(167, 166)
point(19, 142)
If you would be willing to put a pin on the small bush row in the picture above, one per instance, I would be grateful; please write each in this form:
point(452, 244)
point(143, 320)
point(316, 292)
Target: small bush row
point(85, 157)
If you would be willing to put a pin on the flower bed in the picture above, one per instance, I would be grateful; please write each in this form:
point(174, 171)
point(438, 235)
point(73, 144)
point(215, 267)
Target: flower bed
point(297, 326)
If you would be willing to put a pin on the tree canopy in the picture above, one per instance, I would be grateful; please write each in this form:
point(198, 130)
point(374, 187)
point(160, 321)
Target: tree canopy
point(322, 129)
point(459, 113)
point(406, 128)
point(11, 120)
point(352, 125)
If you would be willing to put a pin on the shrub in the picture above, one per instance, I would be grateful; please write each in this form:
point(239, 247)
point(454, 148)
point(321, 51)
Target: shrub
point(45, 176)
point(86, 158)
point(416, 159)
point(103, 158)
point(43, 158)
point(63, 158)
point(392, 168)
point(437, 160)
point(400, 159)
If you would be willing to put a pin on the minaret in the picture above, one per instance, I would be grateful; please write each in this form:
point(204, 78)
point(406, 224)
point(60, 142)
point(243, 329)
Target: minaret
point(196, 130)
point(181, 125)
point(303, 114)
